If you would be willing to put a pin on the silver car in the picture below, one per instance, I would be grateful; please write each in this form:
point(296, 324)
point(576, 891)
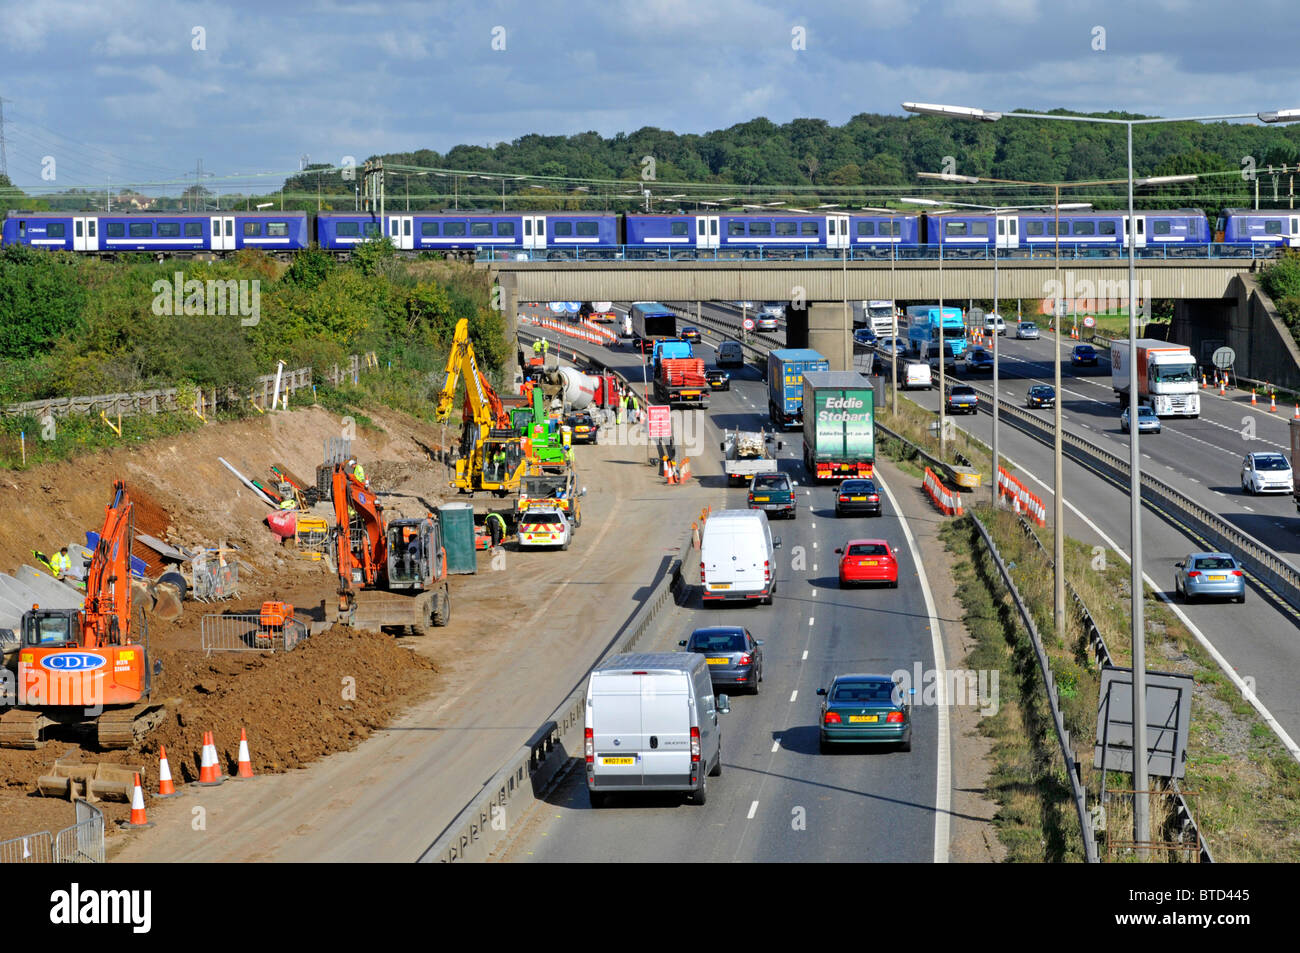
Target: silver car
point(733, 655)
point(1027, 331)
point(1209, 574)
point(1266, 473)
point(1148, 422)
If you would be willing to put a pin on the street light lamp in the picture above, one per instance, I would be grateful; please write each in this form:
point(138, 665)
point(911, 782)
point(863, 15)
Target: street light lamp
point(1141, 807)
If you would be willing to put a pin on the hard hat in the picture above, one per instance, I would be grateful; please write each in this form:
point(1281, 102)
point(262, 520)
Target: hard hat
point(352, 461)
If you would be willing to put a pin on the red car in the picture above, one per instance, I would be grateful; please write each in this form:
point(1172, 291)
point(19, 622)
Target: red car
point(867, 560)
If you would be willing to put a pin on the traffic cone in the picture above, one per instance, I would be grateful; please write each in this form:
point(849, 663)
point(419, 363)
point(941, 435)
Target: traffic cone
point(209, 769)
point(1202, 380)
point(1222, 382)
point(1252, 397)
point(138, 818)
point(1272, 404)
point(165, 786)
point(245, 765)
point(1297, 412)
point(685, 473)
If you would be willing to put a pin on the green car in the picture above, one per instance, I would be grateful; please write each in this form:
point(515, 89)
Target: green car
point(864, 709)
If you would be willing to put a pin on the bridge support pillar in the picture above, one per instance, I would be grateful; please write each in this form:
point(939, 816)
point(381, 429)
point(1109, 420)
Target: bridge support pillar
point(506, 297)
point(830, 332)
point(796, 326)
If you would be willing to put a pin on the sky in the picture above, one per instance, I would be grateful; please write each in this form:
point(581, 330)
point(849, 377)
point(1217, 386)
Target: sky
point(131, 92)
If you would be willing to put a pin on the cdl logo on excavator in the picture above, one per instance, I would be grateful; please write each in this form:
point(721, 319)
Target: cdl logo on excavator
point(73, 662)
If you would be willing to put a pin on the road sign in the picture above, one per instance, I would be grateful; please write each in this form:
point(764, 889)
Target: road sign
point(659, 422)
point(1089, 321)
point(1223, 358)
point(748, 324)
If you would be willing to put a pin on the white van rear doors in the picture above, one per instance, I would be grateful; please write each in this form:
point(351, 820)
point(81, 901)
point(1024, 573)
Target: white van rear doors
point(616, 728)
point(666, 728)
point(735, 556)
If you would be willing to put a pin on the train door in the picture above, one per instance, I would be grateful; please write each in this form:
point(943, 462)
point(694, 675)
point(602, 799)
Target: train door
point(837, 231)
point(534, 231)
point(400, 232)
point(1139, 235)
point(223, 233)
point(1008, 227)
point(706, 231)
point(85, 235)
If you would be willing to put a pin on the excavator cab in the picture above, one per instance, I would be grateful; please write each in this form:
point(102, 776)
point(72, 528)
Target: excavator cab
point(416, 557)
point(51, 628)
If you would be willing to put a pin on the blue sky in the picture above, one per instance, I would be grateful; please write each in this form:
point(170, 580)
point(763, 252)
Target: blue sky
point(117, 91)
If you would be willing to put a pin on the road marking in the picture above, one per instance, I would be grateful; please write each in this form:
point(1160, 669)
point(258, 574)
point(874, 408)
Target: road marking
point(943, 770)
point(804, 657)
point(794, 694)
point(753, 809)
point(813, 526)
point(776, 745)
point(1245, 507)
point(814, 567)
point(810, 620)
point(814, 592)
point(814, 544)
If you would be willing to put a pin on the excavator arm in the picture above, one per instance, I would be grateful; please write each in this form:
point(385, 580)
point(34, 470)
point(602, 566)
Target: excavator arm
point(364, 564)
point(107, 615)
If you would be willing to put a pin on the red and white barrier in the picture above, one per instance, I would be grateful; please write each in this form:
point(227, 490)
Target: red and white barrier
point(944, 498)
point(1024, 501)
point(583, 330)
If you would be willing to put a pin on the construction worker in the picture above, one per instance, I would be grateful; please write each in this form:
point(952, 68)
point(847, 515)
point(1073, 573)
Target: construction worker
point(633, 407)
point(546, 346)
point(499, 463)
point(288, 503)
point(357, 471)
point(622, 406)
point(537, 348)
point(496, 527)
point(61, 563)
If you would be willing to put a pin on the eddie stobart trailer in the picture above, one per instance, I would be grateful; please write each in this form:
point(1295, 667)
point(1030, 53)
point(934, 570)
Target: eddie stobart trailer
point(839, 425)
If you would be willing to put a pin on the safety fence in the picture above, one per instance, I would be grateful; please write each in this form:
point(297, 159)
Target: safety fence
point(1022, 499)
point(81, 843)
point(944, 498)
point(246, 632)
point(583, 330)
point(214, 580)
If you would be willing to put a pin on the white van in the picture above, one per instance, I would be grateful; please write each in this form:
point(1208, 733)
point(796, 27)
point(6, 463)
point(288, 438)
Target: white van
point(730, 354)
point(652, 725)
point(916, 374)
point(737, 557)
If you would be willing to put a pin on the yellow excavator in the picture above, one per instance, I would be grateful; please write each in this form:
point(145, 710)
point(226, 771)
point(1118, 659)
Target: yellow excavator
point(491, 449)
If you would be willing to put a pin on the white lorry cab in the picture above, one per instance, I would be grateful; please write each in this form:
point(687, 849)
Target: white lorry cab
point(738, 557)
point(652, 725)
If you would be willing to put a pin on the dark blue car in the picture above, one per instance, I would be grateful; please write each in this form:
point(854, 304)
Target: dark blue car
point(864, 709)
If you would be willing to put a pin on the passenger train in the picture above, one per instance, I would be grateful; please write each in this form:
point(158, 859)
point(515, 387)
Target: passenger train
point(588, 235)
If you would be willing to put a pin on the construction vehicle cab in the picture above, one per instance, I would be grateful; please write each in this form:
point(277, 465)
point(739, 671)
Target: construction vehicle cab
point(416, 556)
point(551, 485)
point(50, 627)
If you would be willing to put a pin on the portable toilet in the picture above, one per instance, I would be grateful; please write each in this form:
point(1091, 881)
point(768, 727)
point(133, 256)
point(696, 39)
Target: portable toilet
point(457, 521)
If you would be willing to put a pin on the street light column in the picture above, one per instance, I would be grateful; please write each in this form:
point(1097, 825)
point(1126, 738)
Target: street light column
point(1058, 496)
point(997, 226)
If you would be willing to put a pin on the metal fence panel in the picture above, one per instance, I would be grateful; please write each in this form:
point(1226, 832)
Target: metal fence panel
point(244, 632)
point(83, 842)
point(212, 582)
point(31, 849)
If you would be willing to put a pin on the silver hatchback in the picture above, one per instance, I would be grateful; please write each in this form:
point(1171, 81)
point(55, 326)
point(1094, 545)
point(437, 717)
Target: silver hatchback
point(1209, 574)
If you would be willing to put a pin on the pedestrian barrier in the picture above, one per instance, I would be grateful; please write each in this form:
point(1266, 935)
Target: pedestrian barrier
point(245, 632)
point(948, 501)
point(1025, 501)
point(82, 843)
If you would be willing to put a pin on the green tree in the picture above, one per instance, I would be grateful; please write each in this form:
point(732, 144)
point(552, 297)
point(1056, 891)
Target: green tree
point(41, 297)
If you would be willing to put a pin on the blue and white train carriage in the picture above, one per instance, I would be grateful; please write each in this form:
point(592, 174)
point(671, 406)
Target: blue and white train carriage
point(170, 232)
point(469, 231)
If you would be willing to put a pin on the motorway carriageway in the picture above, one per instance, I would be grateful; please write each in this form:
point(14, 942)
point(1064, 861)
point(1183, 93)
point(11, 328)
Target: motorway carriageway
point(778, 799)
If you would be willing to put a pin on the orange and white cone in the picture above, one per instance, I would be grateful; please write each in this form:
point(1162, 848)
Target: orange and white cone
point(1272, 403)
point(1297, 412)
point(1202, 382)
point(1252, 397)
point(165, 786)
point(1222, 386)
point(245, 764)
point(209, 768)
point(138, 816)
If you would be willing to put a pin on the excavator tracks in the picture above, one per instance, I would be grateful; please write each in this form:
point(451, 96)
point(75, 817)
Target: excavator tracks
point(418, 613)
point(23, 728)
point(123, 727)
point(117, 728)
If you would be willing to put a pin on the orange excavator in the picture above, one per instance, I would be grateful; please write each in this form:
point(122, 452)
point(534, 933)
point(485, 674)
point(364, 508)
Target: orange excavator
point(391, 573)
point(88, 667)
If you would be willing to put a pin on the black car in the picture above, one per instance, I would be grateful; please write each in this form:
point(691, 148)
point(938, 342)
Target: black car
point(1041, 395)
point(865, 337)
point(718, 380)
point(691, 334)
point(1083, 355)
point(857, 496)
point(979, 360)
point(733, 655)
point(583, 427)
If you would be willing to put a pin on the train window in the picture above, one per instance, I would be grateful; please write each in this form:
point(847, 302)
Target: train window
point(169, 229)
point(760, 228)
point(1058, 228)
point(808, 228)
point(141, 230)
point(116, 230)
point(701, 229)
point(528, 226)
point(563, 228)
point(891, 228)
point(406, 226)
point(428, 228)
point(1033, 228)
point(735, 228)
point(22, 229)
point(588, 228)
point(787, 228)
point(844, 226)
point(1273, 226)
point(453, 229)
point(371, 229)
point(1160, 227)
point(192, 229)
point(866, 228)
point(979, 228)
point(713, 227)
point(77, 224)
point(679, 228)
point(347, 229)
point(954, 229)
point(1106, 228)
point(90, 228)
point(506, 229)
point(56, 230)
point(252, 229)
point(1085, 228)
point(277, 229)
point(480, 228)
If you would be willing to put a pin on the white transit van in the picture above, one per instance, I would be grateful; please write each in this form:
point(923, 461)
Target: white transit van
point(914, 374)
point(652, 725)
point(737, 556)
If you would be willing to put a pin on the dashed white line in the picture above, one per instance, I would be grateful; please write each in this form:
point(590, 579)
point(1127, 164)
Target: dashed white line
point(814, 592)
point(776, 745)
point(794, 694)
point(810, 620)
point(804, 657)
point(1245, 507)
point(814, 567)
point(814, 544)
point(753, 809)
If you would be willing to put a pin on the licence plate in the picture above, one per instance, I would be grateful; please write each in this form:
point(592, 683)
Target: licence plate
point(761, 499)
point(861, 718)
point(868, 562)
point(690, 393)
point(580, 429)
point(719, 661)
point(1214, 578)
point(719, 585)
point(618, 761)
point(858, 499)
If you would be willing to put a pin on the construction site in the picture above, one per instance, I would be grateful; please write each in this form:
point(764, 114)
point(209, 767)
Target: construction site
point(257, 595)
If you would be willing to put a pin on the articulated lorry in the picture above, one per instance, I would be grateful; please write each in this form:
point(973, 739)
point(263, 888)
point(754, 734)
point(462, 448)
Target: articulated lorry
point(785, 370)
point(1166, 376)
point(748, 452)
point(652, 321)
point(839, 425)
